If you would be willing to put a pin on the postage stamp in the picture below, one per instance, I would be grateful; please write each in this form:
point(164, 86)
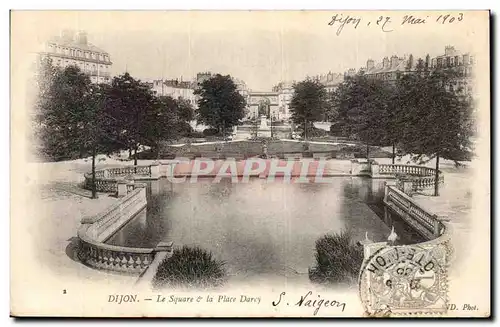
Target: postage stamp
point(404, 280)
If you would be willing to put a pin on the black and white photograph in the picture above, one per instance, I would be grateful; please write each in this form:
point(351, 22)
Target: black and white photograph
point(250, 163)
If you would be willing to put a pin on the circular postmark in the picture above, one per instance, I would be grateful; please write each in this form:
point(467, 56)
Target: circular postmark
point(404, 280)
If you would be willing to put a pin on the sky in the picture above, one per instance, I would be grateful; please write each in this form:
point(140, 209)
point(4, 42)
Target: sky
point(261, 48)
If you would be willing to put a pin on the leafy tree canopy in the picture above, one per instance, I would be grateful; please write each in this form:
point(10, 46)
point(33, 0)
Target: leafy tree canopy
point(220, 105)
point(308, 104)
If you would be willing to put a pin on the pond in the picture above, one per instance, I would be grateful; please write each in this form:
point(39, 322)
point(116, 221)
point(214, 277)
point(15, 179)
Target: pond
point(261, 227)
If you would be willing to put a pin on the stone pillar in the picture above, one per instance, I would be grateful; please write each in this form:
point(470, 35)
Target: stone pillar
point(375, 169)
point(155, 170)
point(167, 247)
point(386, 190)
point(122, 188)
point(407, 186)
point(355, 167)
point(360, 167)
point(437, 229)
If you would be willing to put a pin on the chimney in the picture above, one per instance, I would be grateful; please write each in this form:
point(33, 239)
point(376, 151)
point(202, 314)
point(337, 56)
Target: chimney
point(394, 61)
point(449, 50)
point(81, 38)
point(370, 64)
point(385, 63)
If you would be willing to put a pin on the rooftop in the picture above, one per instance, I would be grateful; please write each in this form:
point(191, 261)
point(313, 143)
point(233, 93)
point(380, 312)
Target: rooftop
point(75, 40)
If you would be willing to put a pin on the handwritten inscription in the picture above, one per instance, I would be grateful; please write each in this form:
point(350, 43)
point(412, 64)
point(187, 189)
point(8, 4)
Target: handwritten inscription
point(342, 21)
point(308, 300)
point(388, 24)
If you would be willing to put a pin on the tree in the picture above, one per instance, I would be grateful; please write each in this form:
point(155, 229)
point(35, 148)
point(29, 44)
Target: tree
point(134, 108)
point(438, 120)
point(95, 133)
point(60, 94)
point(427, 62)
point(308, 104)
point(420, 67)
point(43, 91)
point(170, 120)
point(374, 118)
point(71, 113)
point(220, 105)
point(409, 64)
point(361, 107)
point(364, 111)
point(185, 110)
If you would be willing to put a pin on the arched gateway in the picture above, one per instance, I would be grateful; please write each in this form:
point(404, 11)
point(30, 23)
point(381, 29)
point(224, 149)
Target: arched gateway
point(263, 103)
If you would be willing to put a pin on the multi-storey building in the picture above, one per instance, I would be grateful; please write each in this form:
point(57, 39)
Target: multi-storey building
point(461, 63)
point(392, 69)
point(285, 94)
point(389, 69)
point(175, 89)
point(331, 80)
point(72, 48)
point(242, 88)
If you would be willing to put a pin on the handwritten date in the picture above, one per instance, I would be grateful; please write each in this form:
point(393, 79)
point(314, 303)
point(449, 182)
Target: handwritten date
point(388, 23)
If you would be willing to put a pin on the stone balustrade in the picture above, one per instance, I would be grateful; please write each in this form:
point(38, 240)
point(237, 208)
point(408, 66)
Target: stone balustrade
point(108, 180)
point(426, 223)
point(388, 169)
point(96, 230)
point(410, 178)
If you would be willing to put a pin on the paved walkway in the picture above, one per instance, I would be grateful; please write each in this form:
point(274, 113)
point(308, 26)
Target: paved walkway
point(60, 206)
point(455, 205)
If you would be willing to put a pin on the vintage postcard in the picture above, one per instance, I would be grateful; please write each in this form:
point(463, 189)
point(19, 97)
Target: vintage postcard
point(250, 164)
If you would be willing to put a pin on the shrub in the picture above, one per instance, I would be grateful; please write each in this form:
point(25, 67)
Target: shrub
point(147, 154)
point(191, 267)
point(316, 132)
point(338, 260)
point(196, 134)
point(210, 132)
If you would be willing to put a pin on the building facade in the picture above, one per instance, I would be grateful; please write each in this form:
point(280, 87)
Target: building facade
point(72, 48)
point(394, 68)
point(174, 88)
point(331, 80)
point(461, 63)
point(285, 94)
point(388, 69)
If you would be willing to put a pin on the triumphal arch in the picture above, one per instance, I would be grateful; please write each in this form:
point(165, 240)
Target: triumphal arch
point(263, 104)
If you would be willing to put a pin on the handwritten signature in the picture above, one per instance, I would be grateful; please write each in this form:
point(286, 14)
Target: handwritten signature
point(308, 300)
point(387, 23)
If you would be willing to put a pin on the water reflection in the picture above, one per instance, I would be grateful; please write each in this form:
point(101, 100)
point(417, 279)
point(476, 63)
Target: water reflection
point(260, 227)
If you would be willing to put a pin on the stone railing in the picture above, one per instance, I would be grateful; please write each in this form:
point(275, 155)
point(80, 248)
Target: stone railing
point(95, 231)
point(426, 223)
point(388, 169)
point(410, 178)
point(411, 184)
point(107, 180)
point(436, 249)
